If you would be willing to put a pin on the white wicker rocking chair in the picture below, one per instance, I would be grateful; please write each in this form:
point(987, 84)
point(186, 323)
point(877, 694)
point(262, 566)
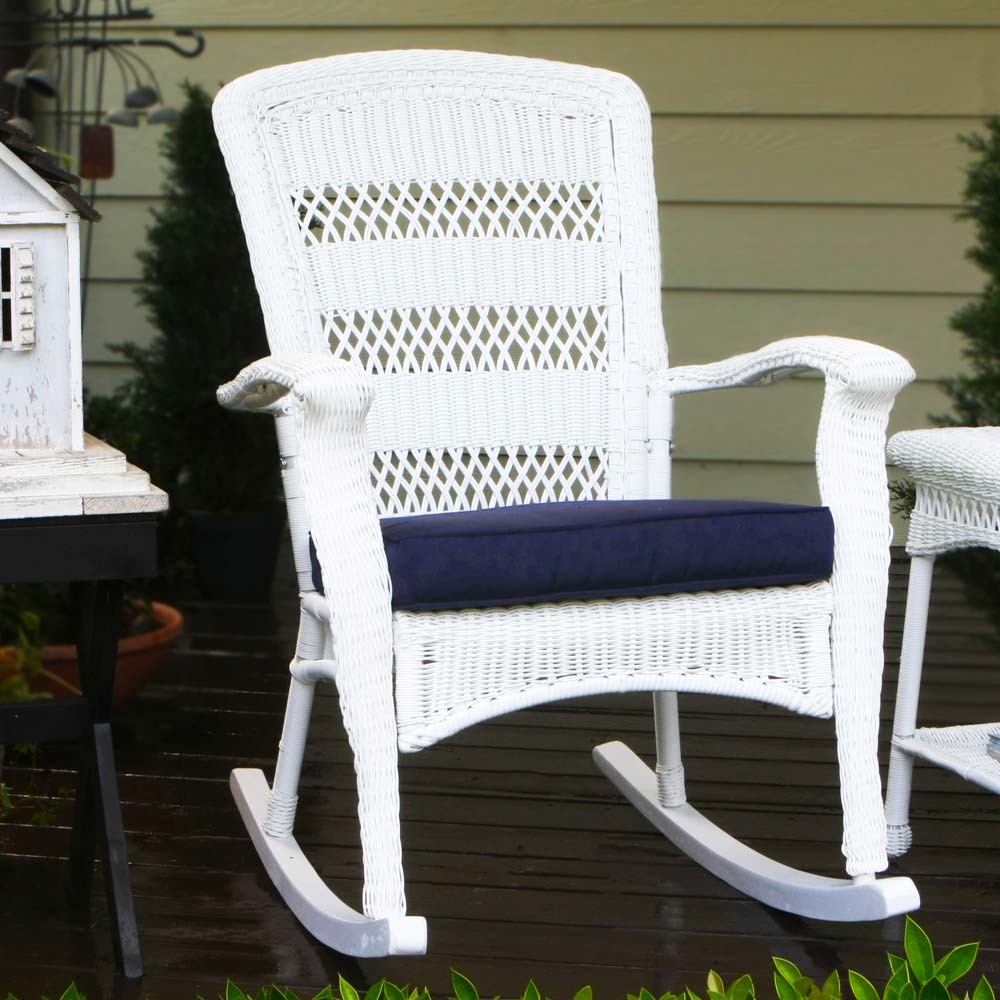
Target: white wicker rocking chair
point(475, 237)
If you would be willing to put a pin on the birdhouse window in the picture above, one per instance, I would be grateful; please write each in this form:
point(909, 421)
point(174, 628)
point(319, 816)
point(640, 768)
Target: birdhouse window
point(17, 296)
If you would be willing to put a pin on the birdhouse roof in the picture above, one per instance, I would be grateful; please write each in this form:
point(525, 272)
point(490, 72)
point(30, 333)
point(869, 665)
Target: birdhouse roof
point(16, 145)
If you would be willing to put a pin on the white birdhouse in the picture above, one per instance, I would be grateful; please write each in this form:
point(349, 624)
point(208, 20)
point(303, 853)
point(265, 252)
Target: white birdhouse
point(40, 356)
point(48, 465)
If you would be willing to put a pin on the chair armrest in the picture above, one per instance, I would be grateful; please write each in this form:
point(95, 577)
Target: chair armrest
point(855, 365)
point(278, 383)
point(862, 381)
point(328, 488)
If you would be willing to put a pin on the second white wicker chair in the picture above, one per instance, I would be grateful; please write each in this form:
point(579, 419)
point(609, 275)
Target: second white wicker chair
point(475, 237)
point(956, 475)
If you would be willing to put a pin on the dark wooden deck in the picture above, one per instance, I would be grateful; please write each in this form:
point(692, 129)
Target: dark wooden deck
point(524, 859)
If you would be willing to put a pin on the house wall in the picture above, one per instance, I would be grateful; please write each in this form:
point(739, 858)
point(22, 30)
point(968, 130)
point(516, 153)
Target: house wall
point(807, 169)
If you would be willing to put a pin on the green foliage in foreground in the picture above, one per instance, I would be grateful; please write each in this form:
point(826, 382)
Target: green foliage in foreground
point(915, 975)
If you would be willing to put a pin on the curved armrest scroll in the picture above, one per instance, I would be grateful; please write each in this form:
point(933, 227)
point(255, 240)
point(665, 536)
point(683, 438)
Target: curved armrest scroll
point(277, 383)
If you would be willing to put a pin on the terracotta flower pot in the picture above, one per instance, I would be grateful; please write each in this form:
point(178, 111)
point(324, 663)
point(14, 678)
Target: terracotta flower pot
point(139, 658)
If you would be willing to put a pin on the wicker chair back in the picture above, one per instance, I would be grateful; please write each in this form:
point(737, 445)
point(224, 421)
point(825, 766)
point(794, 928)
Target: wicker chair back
point(487, 251)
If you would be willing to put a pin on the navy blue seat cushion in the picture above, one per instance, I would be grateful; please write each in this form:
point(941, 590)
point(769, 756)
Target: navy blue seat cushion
point(538, 553)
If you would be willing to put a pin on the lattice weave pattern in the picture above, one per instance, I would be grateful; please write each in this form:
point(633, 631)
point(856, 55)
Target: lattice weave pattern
point(453, 214)
point(431, 479)
point(449, 335)
point(961, 749)
point(471, 339)
point(492, 337)
point(535, 209)
point(957, 473)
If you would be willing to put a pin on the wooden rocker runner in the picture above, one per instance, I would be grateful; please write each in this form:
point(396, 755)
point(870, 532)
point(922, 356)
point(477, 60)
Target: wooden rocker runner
point(457, 257)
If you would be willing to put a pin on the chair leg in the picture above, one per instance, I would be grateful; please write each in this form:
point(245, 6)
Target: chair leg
point(897, 798)
point(283, 799)
point(669, 766)
point(284, 795)
point(269, 815)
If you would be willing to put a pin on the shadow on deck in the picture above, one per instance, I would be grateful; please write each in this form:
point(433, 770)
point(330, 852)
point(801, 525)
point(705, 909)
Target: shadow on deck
point(525, 861)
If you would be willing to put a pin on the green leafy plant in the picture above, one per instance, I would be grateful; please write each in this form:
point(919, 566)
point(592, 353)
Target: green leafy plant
point(739, 989)
point(643, 994)
point(30, 616)
point(39, 797)
point(20, 645)
point(975, 395)
point(382, 990)
point(791, 984)
point(20, 660)
point(916, 975)
point(70, 993)
point(35, 614)
point(903, 494)
point(199, 292)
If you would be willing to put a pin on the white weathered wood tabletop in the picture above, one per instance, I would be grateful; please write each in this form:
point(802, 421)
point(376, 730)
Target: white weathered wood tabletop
point(97, 480)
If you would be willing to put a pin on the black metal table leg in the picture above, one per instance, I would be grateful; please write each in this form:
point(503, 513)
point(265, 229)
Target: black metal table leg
point(84, 836)
point(100, 610)
point(101, 550)
point(115, 856)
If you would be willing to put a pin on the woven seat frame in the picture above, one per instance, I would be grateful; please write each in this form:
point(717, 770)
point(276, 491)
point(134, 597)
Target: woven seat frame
point(713, 643)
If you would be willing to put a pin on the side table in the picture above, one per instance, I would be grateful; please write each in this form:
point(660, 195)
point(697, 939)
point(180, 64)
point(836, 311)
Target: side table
point(957, 475)
point(87, 519)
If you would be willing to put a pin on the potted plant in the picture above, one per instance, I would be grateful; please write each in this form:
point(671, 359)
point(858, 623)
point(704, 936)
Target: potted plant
point(20, 646)
point(38, 653)
point(20, 649)
point(32, 669)
point(221, 473)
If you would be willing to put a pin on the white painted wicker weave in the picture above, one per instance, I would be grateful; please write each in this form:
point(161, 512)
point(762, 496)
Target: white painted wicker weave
point(956, 471)
point(457, 257)
point(957, 475)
